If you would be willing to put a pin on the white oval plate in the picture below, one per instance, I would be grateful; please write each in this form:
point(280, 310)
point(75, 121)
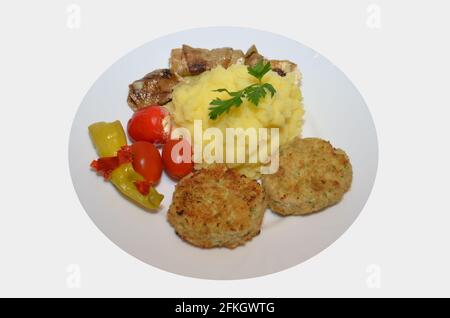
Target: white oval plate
point(334, 111)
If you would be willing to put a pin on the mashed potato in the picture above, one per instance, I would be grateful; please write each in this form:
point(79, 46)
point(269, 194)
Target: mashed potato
point(284, 110)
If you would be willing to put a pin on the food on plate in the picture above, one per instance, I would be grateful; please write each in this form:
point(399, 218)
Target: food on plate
point(133, 186)
point(154, 88)
point(217, 207)
point(116, 164)
point(253, 93)
point(151, 123)
point(312, 176)
point(177, 158)
point(221, 205)
point(284, 110)
point(147, 161)
point(187, 60)
point(282, 67)
point(107, 138)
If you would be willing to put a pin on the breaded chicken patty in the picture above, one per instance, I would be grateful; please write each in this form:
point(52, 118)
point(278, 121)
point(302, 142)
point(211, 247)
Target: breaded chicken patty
point(217, 207)
point(312, 175)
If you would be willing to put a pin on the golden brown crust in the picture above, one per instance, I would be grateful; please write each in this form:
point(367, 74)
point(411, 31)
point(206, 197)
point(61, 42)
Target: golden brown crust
point(312, 175)
point(217, 207)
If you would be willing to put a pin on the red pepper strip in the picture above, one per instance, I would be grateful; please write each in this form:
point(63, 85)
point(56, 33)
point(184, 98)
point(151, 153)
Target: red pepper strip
point(107, 165)
point(125, 155)
point(143, 186)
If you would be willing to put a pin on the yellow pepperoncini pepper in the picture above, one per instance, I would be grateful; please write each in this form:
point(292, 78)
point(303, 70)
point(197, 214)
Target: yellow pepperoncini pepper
point(124, 178)
point(108, 139)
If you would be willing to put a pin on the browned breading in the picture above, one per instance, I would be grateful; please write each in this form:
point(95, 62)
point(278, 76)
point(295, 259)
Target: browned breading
point(312, 175)
point(217, 207)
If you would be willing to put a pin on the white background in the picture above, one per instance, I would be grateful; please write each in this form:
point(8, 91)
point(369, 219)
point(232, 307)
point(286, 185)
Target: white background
point(399, 245)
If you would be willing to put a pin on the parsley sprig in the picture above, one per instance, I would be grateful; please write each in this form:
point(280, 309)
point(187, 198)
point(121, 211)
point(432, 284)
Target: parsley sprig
point(252, 93)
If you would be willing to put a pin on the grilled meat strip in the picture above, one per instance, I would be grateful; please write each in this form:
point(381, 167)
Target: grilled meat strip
point(187, 61)
point(252, 57)
point(154, 88)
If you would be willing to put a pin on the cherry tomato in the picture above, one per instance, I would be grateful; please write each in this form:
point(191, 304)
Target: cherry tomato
point(174, 152)
point(147, 161)
point(151, 123)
